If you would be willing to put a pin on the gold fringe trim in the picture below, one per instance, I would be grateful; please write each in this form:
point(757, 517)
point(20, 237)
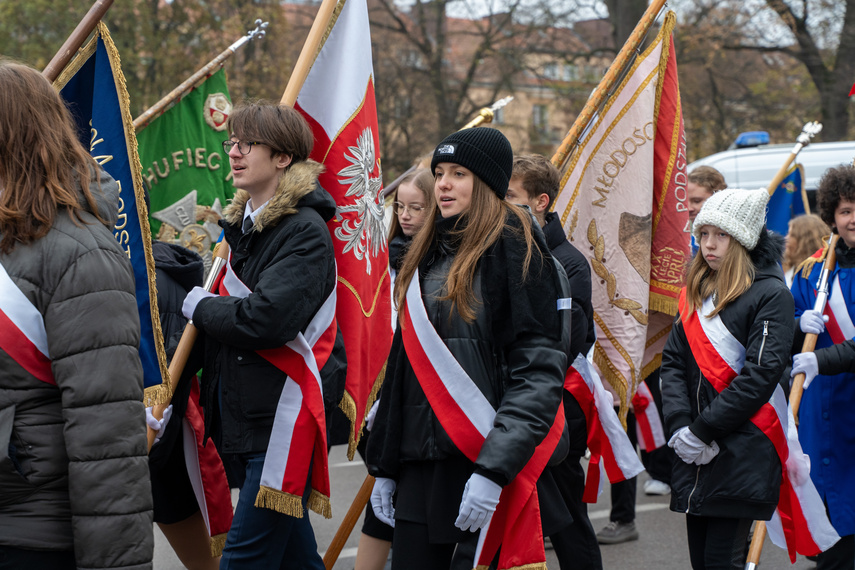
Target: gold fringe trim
point(348, 406)
point(535, 566)
point(806, 266)
point(154, 395)
point(651, 366)
point(136, 175)
point(662, 303)
point(217, 544)
point(320, 503)
point(615, 379)
point(285, 503)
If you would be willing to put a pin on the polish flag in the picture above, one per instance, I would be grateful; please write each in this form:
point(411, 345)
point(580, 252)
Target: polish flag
point(337, 99)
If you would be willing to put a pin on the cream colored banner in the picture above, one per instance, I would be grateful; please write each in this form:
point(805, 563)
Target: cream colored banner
point(605, 206)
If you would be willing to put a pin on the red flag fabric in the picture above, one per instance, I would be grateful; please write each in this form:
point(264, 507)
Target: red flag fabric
point(337, 99)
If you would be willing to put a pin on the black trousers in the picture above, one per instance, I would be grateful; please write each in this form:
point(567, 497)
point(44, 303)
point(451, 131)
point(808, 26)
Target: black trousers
point(841, 556)
point(12, 558)
point(717, 543)
point(660, 462)
point(576, 544)
point(623, 493)
point(412, 550)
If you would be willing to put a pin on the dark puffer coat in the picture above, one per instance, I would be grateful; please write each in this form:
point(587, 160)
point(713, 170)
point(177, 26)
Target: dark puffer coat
point(513, 351)
point(73, 468)
point(287, 261)
point(744, 479)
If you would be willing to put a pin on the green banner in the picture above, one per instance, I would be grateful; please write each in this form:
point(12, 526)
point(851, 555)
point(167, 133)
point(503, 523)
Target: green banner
point(185, 169)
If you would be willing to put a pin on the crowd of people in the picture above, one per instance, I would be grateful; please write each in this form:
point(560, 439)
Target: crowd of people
point(475, 444)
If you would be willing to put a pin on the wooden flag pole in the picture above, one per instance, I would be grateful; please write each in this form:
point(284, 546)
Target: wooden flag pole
point(346, 527)
point(317, 34)
point(603, 90)
point(796, 391)
point(809, 343)
point(197, 78)
point(188, 339)
point(76, 39)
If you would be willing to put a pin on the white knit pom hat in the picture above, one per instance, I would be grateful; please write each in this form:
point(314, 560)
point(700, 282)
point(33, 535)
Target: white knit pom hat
point(740, 213)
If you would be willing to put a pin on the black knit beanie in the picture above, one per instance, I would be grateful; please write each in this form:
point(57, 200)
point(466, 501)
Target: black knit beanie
point(484, 151)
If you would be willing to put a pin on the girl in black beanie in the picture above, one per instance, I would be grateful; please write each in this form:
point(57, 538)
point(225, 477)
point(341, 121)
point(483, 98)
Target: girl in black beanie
point(474, 379)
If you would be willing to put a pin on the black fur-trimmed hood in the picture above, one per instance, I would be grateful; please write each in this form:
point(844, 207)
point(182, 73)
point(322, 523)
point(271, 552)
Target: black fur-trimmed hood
point(768, 253)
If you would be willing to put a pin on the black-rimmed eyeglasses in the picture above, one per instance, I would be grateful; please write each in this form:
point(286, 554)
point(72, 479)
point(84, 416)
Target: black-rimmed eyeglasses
point(243, 146)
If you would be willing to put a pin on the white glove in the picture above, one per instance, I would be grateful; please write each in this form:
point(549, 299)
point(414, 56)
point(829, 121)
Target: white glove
point(381, 500)
point(372, 413)
point(480, 497)
point(707, 454)
point(812, 322)
point(158, 425)
point(805, 362)
point(686, 445)
point(192, 299)
point(799, 469)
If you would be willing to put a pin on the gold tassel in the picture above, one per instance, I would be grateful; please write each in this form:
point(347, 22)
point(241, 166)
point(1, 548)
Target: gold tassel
point(217, 544)
point(320, 503)
point(806, 266)
point(348, 406)
point(160, 394)
point(285, 503)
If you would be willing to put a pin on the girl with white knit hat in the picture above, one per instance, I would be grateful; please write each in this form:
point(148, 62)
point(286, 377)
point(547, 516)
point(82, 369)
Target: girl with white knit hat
point(721, 364)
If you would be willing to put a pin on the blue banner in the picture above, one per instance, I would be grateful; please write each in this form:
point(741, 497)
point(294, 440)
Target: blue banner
point(786, 202)
point(93, 88)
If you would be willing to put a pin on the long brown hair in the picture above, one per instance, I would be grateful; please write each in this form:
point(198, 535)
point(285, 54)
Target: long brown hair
point(482, 224)
point(41, 160)
point(808, 230)
point(733, 278)
point(423, 180)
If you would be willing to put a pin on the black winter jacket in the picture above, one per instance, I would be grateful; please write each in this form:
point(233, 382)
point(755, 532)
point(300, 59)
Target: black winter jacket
point(744, 479)
point(287, 261)
point(513, 351)
point(578, 271)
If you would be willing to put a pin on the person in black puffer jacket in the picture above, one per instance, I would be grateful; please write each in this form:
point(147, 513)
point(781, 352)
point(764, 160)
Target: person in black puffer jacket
point(490, 291)
point(729, 473)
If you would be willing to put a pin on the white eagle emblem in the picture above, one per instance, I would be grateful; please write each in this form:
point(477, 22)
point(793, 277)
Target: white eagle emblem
point(366, 234)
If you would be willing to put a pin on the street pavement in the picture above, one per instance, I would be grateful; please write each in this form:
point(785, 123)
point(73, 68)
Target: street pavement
point(661, 545)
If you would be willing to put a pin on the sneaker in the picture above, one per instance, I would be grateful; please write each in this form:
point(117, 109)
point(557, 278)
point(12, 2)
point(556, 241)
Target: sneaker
point(654, 487)
point(616, 532)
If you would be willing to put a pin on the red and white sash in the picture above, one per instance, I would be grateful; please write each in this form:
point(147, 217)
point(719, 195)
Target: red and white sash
point(839, 325)
point(799, 523)
point(648, 424)
point(612, 454)
point(467, 416)
point(22, 330)
point(207, 474)
point(298, 439)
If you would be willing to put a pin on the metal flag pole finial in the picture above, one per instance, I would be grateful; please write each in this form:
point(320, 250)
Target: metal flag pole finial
point(487, 113)
point(259, 32)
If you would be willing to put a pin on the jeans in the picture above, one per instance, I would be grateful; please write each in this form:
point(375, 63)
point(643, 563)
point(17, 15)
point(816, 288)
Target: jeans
point(263, 538)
